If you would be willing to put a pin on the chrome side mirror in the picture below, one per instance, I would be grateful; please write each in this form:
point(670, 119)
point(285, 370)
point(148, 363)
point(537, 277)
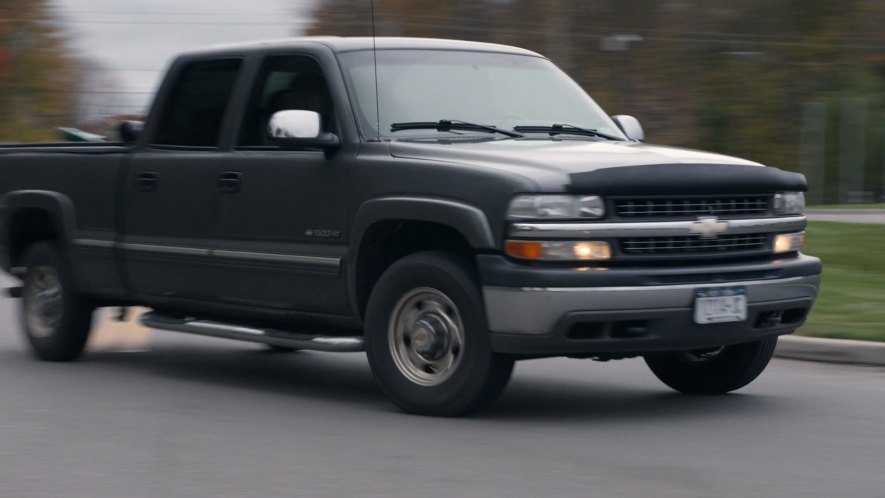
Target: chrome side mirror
point(630, 126)
point(299, 129)
point(294, 124)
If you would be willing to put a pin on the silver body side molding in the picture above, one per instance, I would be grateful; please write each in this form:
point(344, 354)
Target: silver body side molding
point(285, 258)
point(105, 244)
point(318, 261)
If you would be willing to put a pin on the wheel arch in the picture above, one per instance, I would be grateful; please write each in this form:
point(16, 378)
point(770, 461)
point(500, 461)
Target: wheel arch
point(387, 229)
point(33, 215)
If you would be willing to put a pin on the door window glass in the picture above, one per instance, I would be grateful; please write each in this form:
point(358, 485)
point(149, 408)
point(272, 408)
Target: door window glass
point(195, 109)
point(285, 82)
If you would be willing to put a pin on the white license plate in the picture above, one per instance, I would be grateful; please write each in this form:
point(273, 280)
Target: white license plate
point(721, 304)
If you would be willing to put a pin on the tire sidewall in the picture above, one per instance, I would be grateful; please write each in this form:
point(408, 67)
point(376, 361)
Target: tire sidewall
point(68, 338)
point(447, 275)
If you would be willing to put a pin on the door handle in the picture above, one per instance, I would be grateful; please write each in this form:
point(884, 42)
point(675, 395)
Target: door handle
point(148, 181)
point(229, 182)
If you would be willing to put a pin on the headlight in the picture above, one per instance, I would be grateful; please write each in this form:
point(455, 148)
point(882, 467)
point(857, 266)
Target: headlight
point(789, 203)
point(545, 207)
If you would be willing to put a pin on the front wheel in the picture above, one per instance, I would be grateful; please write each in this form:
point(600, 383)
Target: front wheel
point(713, 371)
point(427, 341)
point(55, 319)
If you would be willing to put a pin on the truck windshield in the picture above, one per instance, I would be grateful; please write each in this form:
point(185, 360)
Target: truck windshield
point(496, 89)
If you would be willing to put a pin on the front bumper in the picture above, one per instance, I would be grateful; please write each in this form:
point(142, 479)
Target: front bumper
point(620, 312)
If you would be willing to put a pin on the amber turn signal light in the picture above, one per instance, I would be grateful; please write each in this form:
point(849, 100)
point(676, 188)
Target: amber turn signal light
point(559, 250)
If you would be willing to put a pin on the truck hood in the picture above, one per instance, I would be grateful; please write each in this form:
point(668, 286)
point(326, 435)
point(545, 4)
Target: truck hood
point(559, 164)
point(565, 156)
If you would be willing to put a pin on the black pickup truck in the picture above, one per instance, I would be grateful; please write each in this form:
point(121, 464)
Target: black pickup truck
point(448, 207)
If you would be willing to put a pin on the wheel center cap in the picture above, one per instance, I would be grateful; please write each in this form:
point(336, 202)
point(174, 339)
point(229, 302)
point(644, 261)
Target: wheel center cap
point(430, 337)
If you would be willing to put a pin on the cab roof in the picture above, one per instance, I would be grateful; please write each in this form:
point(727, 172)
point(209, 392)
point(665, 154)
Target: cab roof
point(350, 44)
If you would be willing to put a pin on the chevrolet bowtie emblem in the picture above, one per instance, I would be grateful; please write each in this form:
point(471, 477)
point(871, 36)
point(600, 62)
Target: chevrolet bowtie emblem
point(708, 227)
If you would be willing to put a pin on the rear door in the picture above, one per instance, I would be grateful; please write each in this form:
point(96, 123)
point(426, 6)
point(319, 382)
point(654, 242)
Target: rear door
point(171, 184)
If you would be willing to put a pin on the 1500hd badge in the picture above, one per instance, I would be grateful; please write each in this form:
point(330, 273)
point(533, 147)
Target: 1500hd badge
point(323, 233)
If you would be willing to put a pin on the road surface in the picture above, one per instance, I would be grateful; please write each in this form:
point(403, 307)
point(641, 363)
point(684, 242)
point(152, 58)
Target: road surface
point(870, 216)
point(158, 414)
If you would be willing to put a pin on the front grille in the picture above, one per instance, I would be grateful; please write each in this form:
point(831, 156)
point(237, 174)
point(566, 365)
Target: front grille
point(692, 207)
point(693, 244)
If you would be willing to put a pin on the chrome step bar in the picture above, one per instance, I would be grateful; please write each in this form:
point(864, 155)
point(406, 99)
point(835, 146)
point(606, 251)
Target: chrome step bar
point(272, 337)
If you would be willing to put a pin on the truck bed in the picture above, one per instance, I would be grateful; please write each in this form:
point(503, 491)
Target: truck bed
point(84, 180)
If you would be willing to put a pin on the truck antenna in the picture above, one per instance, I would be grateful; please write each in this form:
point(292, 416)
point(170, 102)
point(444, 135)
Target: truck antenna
point(375, 59)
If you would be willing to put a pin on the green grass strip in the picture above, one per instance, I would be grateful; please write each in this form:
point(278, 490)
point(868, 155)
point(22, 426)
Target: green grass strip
point(851, 304)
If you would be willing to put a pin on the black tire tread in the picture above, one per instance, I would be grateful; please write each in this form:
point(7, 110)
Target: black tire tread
point(733, 368)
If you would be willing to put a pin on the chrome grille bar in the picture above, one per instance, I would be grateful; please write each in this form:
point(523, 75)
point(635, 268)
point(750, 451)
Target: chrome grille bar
point(577, 231)
point(679, 207)
point(682, 245)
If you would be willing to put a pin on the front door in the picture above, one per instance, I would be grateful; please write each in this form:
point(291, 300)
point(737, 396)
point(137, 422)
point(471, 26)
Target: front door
point(281, 223)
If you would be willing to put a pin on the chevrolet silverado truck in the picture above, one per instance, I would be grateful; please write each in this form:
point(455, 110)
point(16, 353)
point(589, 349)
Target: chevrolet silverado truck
point(447, 207)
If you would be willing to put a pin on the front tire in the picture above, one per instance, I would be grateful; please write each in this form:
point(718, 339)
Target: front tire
point(55, 320)
point(427, 341)
point(716, 371)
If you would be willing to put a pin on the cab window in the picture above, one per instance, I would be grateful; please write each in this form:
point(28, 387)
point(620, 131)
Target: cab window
point(285, 82)
point(194, 112)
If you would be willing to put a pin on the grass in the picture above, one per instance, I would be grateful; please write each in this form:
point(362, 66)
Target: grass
point(879, 205)
point(851, 304)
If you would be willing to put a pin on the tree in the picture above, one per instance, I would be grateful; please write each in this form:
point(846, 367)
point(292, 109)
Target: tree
point(38, 74)
point(727, 76)
point(4, 49)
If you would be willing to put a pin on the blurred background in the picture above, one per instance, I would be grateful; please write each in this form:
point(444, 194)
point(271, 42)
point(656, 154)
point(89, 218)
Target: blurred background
point(795, 84)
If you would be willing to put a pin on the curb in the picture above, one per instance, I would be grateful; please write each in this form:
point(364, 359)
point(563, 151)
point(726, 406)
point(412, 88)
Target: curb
point(831, 350)
point(865, 216)
point(845, 211)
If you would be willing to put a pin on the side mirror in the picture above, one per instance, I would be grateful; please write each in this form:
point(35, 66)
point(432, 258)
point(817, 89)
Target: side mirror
point(300, 129)
point(630, 126)
point(130, 131)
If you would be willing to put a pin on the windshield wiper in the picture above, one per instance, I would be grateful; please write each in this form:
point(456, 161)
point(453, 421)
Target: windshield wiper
point(452, 124)
point(558, 129)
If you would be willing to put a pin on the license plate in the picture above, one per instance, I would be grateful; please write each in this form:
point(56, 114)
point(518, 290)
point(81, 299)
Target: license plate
point(721, 304)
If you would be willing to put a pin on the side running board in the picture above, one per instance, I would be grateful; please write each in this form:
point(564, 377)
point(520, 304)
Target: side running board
point(244, 333)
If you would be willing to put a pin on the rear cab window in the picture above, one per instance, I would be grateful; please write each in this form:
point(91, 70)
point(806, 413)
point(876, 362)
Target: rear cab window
point(193, 112)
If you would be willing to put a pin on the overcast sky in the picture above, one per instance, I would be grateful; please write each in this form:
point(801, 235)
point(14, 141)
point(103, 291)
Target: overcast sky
point(134, 41)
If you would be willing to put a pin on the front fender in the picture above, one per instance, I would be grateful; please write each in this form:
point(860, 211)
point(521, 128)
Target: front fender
point(467, 220)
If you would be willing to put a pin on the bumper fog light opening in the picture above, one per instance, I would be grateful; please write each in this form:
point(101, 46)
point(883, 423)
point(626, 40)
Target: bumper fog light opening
point(788, 242)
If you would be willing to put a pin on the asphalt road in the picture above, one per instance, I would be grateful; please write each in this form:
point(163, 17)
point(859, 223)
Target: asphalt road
point(158, 414)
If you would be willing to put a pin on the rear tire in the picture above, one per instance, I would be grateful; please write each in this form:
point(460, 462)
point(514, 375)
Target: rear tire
point(55, 320)
point(427, 341)
point(713, 372)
